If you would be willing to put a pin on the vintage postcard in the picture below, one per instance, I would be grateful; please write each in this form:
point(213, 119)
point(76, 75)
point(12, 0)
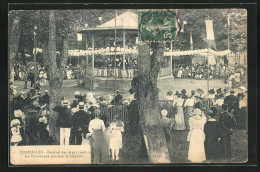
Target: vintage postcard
point(128, 86)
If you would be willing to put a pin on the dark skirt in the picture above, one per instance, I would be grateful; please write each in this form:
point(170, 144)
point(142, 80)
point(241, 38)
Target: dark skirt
point(100, 147)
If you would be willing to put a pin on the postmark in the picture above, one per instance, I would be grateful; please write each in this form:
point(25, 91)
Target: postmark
point(157, 25)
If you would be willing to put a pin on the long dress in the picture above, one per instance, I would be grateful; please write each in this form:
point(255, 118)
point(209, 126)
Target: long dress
point(179, 117)
point(100, 145)
point(211, 130)
point(189, 104)
point(115, 141)
point(196, 138)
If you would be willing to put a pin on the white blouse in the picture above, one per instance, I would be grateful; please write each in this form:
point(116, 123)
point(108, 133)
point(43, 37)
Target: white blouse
point(178, 102)
point(189, 102)
point(219, 102)
point(96, 124)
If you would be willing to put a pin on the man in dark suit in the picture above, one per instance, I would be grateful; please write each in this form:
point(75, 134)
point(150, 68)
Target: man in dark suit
point(227, 124)
point(232, 102)
point(80, 122)
point(118, 98)
point(133, 117)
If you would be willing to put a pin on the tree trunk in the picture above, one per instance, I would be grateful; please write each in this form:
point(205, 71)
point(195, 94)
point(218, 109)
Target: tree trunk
point(148, 103)
point(54, 80)
point(14, 36)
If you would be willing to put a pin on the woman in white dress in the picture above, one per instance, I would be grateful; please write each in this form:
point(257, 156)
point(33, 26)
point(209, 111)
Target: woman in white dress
point(196, 137)
point(179, 117)
point(115, 142)
point(100, 146)
point(189, 104)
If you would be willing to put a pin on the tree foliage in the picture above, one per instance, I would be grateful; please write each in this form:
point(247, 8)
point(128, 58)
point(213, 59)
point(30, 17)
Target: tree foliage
point(196, 23)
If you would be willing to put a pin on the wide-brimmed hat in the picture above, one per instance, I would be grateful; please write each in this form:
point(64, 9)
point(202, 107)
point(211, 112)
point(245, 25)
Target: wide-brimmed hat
point(96, 111)
point(196, 111)
point(77, 93)
point(46, 91)
point(65, 102)
point(164, 112)
point(200, 90)
point(15, 122)
point(18, 113)
point(169, 93)
point(183, 91)
point(211, 91)
point(81, 104)
point(219, 90)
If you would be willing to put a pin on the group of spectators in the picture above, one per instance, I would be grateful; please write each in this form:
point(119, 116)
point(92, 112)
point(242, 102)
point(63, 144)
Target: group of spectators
point(79, 122)
point(27, 73)
point(200, 71)
point(210, 120)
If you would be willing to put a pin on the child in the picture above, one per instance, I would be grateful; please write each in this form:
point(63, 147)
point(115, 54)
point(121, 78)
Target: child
point(15, 130)
point(115, 143)
point(167, 125)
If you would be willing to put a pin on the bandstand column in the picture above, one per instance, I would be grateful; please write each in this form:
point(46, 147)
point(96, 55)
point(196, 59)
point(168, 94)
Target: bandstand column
point(124, 72)
point(86, 53)
point(171, 59)
point(93, 55)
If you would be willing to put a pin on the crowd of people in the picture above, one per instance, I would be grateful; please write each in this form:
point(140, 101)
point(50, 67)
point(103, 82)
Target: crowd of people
point(79, 121)
point(200, 71)
point(210, 120)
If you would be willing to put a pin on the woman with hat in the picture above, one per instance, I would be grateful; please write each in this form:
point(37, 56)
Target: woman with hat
point(211, 130)
point(179, 117)
point(211, 97)
point(196, 137)
point(189, 104)
point(115, 142)
point(169, 96)
point(100, 146)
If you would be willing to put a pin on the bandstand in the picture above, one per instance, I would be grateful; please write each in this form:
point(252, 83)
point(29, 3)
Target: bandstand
point(111, 64)
point(117, 59)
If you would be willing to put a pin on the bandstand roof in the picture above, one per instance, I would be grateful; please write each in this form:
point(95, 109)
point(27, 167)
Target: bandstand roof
point(126, 21)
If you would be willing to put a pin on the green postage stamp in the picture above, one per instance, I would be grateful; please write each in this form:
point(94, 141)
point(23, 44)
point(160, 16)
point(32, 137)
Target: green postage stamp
point(157, 25)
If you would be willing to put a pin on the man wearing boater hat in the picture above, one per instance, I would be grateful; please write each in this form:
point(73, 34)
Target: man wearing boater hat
point(64, 122)
point(80, 122)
